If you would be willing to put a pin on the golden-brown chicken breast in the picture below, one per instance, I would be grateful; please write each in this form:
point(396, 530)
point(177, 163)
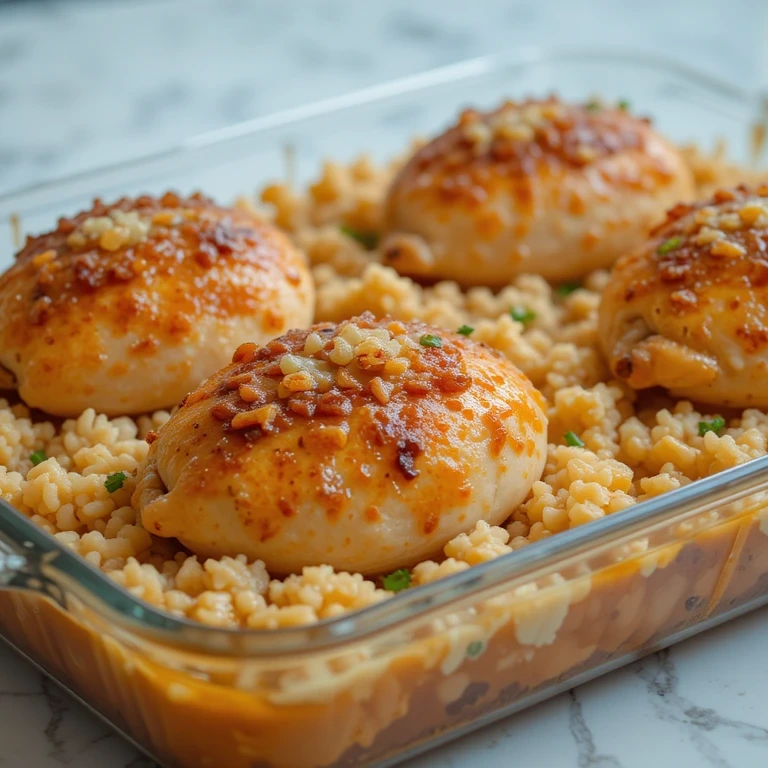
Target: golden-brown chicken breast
point(127, 307)
point(366, 446)
point(535, 186)
point(689, 309)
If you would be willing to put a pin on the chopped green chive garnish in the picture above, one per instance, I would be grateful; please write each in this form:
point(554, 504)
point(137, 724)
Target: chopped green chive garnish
point(623, 104)
point(573, 439)
point(669, 245)
point(465, 330)
point(593, 105)
point(369, 240)
point(522, 314)
point(711, 426)
point(397, 580)
point(566, 289)
point(430, 340)
point(474, 648)
point(37, 457)
point(114, 482)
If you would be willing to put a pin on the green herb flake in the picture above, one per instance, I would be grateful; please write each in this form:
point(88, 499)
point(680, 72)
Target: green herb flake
point(593, 105)
point(573, 440)
point(114, 482)
point(669, 245)
point(522, 315)
point(566, 289)
point(711, 426)
point(430, 340)
point(465, 330)
point(474, 649)
point(369, 240)
point(397, 580)
point(38, 457)
point(623, 104)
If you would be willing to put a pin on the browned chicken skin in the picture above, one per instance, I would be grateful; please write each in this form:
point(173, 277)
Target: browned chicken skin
point(366, 446)
point(689, 309)
point(127, 307)
point(536, 186)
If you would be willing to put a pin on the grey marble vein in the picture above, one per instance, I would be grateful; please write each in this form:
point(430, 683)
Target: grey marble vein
point(698, 723)
point(589, 757)
point(57, 705)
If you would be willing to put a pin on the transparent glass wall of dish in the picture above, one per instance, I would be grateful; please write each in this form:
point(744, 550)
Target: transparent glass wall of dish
point(224, 170)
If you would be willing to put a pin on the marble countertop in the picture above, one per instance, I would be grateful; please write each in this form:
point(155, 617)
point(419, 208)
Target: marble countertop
point(84, 83)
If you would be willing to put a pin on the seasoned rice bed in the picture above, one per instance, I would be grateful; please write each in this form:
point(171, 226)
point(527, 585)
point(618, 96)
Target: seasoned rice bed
point(634, 447)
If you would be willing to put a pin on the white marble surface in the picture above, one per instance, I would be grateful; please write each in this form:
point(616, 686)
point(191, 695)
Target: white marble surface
point(83, 83)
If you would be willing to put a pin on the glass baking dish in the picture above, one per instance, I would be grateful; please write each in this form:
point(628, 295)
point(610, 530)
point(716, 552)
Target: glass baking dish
point(399, 677)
